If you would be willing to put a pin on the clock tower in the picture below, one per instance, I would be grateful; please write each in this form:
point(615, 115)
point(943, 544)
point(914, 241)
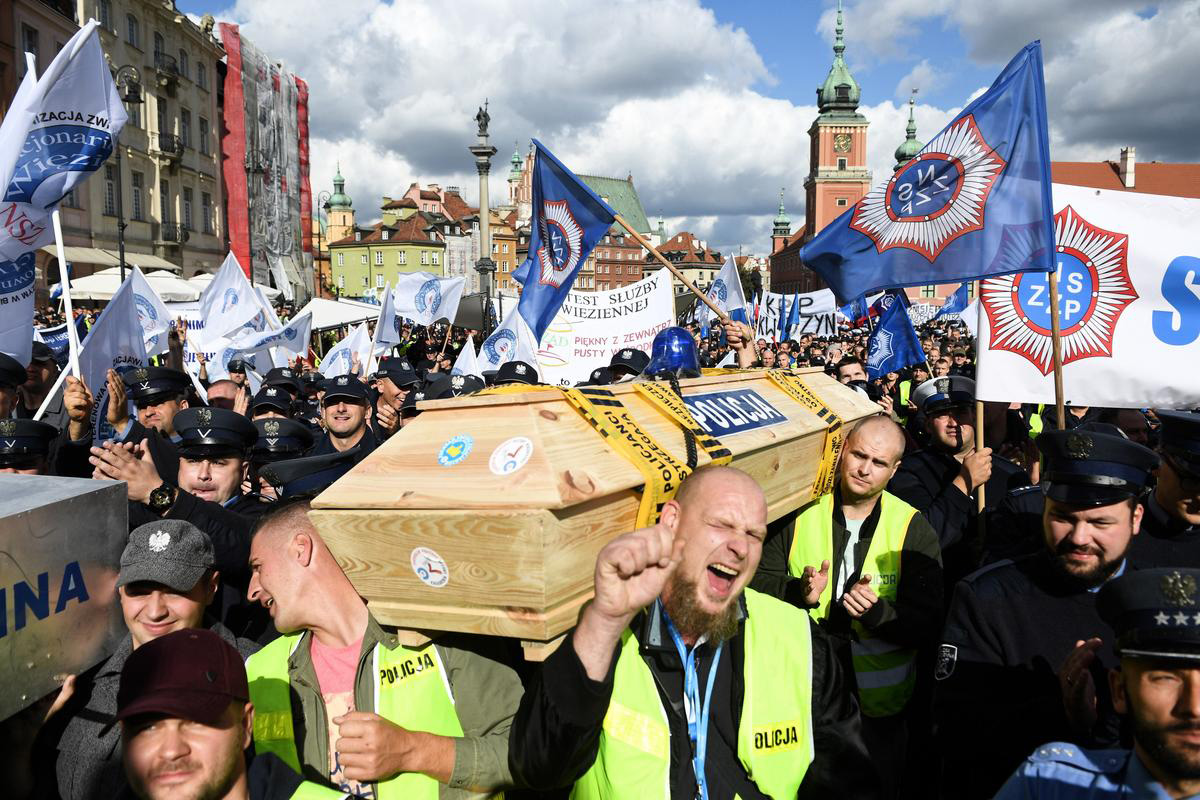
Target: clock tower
point(837, 176)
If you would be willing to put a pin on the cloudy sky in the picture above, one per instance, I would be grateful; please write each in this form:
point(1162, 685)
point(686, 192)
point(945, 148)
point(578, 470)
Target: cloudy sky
point(708, 104)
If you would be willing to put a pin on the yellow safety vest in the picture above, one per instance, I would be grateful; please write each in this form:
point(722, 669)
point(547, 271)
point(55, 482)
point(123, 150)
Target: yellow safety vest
point(411, 691)
point(308, 790)
point(885, 672)
point(1035, 422)
point(775, 738)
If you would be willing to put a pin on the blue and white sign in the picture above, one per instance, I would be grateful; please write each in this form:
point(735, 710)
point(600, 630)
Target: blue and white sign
point(732, 411)
point(455, 451)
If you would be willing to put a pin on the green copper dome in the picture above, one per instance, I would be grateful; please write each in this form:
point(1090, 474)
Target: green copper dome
point(909, 148)
point(339, 200)
point(783, 224)
point(840, 92)
point(515, 172)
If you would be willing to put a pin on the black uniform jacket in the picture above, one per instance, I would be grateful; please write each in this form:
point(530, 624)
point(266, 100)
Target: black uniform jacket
point(1164, 541)
point(556, 734)
point(1010, 628)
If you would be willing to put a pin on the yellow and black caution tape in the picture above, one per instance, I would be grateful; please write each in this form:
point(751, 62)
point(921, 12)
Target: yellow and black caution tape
point(796, 389)
point(661, 471)
point(673, 408)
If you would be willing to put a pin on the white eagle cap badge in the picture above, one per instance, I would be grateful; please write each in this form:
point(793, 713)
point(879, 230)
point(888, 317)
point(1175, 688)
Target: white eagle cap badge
point(159, 540)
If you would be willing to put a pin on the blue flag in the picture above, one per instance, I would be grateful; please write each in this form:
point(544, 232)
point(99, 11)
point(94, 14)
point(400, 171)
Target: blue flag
point(855, 310)
point(793, 315)
point(975, 202)
point(956, 303)
point(783, 319)
point(568, 220)
point(894, 345)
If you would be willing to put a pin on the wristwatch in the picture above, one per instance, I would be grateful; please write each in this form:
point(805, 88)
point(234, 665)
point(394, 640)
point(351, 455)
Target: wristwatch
point(162, 498)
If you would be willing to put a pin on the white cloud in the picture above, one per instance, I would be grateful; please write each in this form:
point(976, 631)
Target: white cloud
point(922, 77)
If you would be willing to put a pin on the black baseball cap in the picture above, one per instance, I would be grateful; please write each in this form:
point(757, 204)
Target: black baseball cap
point(347, 387)
point(12, 372)
point(516, 372)
point(1180, 440)
point(191, 674)
point(399, 370)
point(272, 397)
point(42, 352)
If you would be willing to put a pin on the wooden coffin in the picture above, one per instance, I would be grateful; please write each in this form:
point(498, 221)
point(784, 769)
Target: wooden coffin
point(486, 513)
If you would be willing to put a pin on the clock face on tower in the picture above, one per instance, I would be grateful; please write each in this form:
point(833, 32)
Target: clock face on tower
point(841, 143)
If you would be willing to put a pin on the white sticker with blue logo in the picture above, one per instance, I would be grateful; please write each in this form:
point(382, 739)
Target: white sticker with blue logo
point(430, 567)
point(732, 411)
point(456, 450)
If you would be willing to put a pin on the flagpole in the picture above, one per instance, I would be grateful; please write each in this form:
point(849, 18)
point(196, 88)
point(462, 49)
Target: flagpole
point(1056, 341)
point(446, 341)
point(980, 499)
point(60, 251)
point(721, 315)
point(375, 333)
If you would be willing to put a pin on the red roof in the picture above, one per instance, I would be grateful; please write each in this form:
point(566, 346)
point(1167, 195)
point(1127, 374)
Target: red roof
point(411, 230)
point(1149, 177)
point(426, 194)
point(454, 207)
point(685, 242)
point(403, 202)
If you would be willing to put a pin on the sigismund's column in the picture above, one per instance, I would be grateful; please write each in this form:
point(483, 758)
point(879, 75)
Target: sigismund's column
point(483, 152)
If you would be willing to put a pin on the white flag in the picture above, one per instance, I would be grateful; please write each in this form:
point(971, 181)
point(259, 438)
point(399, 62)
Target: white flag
point(292, 337)
point(114, 342)
point(467, 363)
point(339, 361)
point(389, 324)
point(152, 314)
point(227, 303)
point(58, 131)
point(1129, 307)
point(970, 317)
point(511, 341)
point(726, 292)
point(426, 298)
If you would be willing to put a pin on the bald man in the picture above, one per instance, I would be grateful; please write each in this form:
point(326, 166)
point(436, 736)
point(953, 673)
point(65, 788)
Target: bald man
point(867, 567)
point(679, 681)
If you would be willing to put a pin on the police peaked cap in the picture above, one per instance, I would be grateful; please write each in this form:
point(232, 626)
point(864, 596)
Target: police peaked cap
point(946, 392)
point(22, 439)
point(399, 370)
point(629, 359)
point(1091, 467)
point(409, 406)
point(516, 372)
point(1155, 613)
point(282, 376)
point(279, 439)
point(346, 386)
point(272, 397)
point(12, 372)
point(154, 384)
point(1180, 439)
point(309, 474)
point(236, 365)
point(213, 432)
point(458, 386)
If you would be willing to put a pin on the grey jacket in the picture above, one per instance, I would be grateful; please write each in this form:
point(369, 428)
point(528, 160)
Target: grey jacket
point(89, 751)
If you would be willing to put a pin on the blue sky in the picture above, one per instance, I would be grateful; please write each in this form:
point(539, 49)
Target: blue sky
point(706, 104)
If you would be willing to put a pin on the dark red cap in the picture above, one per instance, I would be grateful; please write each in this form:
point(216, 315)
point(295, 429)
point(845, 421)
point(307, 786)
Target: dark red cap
point(191, 674)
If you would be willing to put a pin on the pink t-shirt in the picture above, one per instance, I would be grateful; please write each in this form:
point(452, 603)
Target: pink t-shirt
point(336, 668)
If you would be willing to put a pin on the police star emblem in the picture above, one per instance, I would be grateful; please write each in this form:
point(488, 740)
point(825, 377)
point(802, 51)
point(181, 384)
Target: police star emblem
point(1079, 446)
point(1178, 590)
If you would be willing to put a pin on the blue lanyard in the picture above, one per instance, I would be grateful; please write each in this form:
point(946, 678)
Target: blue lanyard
point(697, 728)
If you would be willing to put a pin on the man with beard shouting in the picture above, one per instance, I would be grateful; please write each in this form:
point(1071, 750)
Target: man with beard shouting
point(1024, 649)
point(1153, 612)
point(679, 680)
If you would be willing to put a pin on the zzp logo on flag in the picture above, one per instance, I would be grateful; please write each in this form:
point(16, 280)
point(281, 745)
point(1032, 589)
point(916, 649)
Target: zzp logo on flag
point(935, 198)
point(428, 299)
point(496, 346)
point(1094, 289)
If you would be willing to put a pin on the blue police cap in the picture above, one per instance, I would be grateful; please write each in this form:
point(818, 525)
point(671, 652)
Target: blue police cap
point(309, 474)
point(1154, 612)
point(279, 439)
point(12, 372)
point(1093, 467)
point(150, 385)
point(457, 386)
point(516, 372)
point(345, 387)
point(1180, 440)
point(282, 376)
point(399, 370)
point(601, 376)
point(272, 397)
point(213, 432)
point(23, 440)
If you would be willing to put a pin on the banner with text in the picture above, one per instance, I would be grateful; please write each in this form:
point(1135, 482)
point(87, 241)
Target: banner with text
point(591, 326)
point(1129, 307)
point(818, 312)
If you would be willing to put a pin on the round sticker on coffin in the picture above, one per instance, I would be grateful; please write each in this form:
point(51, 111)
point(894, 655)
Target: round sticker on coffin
point(511, 455)
point(430, 567)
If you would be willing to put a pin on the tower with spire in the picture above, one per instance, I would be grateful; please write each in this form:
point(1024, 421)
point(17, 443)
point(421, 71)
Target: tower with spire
point(341, 209)
point(910, 147)
point(514, 175)
point(782, 229)
point(837, 173)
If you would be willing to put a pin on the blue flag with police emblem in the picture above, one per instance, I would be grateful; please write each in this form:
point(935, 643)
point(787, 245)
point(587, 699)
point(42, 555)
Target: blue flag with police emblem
point(894, 345)
point(568, 220)
point(975, 202)
point(956, 303)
